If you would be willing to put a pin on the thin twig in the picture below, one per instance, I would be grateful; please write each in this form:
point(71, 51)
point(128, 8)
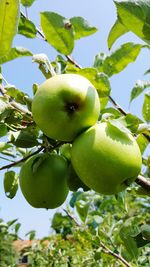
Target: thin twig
point(109, 251)
point(37, 29)
point(142, 181)
point(8, 166)
point(32, 154)
point(117, 106)
point(26, 11)
point(71, 60)
point(71, 217)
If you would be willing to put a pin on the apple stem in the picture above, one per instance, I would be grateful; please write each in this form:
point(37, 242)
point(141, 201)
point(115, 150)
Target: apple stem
point(51, 69)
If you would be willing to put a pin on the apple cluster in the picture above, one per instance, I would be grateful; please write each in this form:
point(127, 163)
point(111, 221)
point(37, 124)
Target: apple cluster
point(99, 156)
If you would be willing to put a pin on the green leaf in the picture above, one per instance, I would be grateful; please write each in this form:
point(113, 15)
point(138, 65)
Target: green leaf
point(3, 129)
point(142, 142)
point(74, 198)
point(117, 126)
point(146, 107)
point(135, 16)
point(12, 222)
point(27, 3)
point(144, 128)
point(82, 27)
point(15, 93)
point(102, 84)
point(110, 112)
point(98, 61)
point(35, 87)
point(5, 108)
point(27, 28)
point(99, 80)
point(31, 234)
point(121, 200)
point(139, 87)
point(10, 184)
point(62, 223)
point(120, 58)
point(82, 209)
point(14, 53)
point(17, 227)
point(58, 32)
point(103, 102)
point(132, 122)
point(127, 233)
point(4, 146)
point(25, 139)
point(8, 24)
point(116, 31)
point(147, 72)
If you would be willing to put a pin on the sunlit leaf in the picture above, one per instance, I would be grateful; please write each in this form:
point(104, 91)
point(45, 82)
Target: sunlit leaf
point(142, 142)
point(4, 146)
point(27, 28)
point(146, 107)
point(10, 184)
point(15, 93)
point(116, 31)
point(5, 109)
point(57, 32)
point(3, 129)
point(14, 53)
point(98, 79)
point(132, 122)
point(139, 87)
point(98, 61)
point(8, 24)
point(120, 58)
point(82, 209)
point(82, 27)
point(135, 16)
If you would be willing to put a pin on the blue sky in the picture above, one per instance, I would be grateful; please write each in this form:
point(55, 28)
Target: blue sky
point(23, 73)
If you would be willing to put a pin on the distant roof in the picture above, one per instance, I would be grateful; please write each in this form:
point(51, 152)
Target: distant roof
point(23, 244)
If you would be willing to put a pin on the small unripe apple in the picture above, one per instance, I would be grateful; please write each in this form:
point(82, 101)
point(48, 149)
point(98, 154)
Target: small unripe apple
point(65, 105)
point(105, 158)
point(43, 180)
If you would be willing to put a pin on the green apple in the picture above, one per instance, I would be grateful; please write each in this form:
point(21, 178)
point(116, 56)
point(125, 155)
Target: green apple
point(43, 180)
point(105, 158)
point(73, 181)
point(65, 105)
